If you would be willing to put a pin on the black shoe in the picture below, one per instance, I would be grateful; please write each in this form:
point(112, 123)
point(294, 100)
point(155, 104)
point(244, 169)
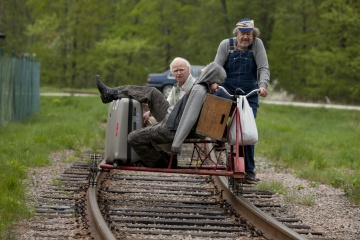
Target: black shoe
point(174, 162)
point(250, 178)
point(107, 94)
point(166, 159)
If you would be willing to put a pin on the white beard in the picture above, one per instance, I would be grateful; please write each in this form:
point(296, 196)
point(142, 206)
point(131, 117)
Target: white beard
point(245, 45)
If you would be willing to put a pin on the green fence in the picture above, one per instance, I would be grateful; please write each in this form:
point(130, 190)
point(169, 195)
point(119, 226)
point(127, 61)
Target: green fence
point(19, 88)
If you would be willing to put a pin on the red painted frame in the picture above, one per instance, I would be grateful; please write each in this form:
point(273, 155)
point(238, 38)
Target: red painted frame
point(234, 168)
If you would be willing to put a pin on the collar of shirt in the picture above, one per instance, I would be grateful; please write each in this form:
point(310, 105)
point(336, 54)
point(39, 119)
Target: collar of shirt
point(187, 85)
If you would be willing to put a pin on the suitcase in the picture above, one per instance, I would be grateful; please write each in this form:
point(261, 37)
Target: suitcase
point(124, 116)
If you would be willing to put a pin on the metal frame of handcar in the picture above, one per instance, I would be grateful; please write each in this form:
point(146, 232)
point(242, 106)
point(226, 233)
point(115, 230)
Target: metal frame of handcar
point(204, 160)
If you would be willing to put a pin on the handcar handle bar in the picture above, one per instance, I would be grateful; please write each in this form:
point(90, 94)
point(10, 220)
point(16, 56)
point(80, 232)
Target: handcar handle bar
point(247, 95)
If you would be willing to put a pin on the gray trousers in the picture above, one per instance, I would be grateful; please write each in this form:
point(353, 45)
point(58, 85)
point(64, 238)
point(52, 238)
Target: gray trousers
point(144, 140)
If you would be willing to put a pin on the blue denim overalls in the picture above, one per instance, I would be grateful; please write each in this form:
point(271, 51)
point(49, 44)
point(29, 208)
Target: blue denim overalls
point(241, 71)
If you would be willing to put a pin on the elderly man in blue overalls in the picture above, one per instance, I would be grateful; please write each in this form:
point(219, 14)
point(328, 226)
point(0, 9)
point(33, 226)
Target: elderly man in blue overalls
point(245, 62)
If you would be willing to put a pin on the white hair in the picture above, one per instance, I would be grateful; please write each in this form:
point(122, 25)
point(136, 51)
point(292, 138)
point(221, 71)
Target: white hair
point(180, 59)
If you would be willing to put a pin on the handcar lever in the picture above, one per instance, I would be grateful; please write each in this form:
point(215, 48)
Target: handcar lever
point(237, 90)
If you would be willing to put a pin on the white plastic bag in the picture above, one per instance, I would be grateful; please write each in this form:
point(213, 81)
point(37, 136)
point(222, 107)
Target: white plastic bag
point(248, 124)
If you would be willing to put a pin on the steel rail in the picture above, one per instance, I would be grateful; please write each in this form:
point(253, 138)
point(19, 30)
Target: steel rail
point(271, 228)
point(98, 227)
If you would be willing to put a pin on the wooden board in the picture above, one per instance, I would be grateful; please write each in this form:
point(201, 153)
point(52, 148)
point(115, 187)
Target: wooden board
point(213, 117)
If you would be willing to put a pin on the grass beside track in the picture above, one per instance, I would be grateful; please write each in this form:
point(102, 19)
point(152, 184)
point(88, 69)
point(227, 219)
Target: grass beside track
point(318, 144)
point(63, 123)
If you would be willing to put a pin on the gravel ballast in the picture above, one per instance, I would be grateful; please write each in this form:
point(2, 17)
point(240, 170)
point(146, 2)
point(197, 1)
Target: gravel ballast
point(331, 213)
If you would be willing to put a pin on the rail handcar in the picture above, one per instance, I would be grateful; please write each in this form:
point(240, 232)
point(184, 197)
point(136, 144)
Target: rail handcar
point(212, 129)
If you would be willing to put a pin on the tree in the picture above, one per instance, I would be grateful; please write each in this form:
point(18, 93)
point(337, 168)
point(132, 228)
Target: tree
point(14, 15)
point(311, 47)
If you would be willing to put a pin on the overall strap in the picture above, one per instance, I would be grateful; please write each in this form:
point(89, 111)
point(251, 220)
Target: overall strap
point(232, 44)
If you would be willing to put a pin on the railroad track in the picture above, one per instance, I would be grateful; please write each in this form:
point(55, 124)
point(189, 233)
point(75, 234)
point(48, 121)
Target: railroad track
point(60, 213)
point(85, 204)
point(163, 205)
point(143, 205)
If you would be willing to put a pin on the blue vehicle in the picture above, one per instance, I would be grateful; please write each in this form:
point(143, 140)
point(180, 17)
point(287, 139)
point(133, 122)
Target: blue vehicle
point(166, 80)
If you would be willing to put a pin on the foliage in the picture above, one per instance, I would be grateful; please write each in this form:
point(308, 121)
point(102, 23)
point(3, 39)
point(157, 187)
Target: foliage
point(12, 205)
point(317, 40)
point(290, 195)
point(299, 198)
point(273, 186)
point(63, 123)
point(323, 142)
point(312, 45)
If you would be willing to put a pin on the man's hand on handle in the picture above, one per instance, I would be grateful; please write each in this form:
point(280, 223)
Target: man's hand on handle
point(263, 92)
